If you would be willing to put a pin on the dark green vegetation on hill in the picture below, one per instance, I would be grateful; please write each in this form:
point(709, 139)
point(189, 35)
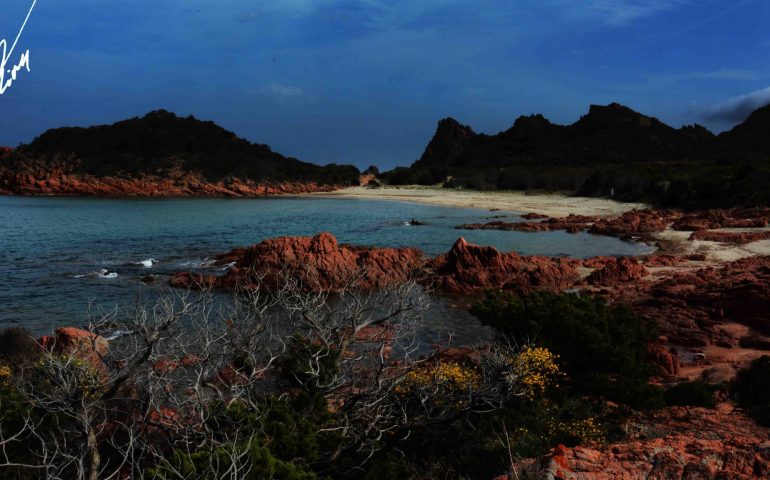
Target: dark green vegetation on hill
point(612, 151)
point(163, 145)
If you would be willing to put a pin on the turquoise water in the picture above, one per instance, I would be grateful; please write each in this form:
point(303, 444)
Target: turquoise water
point(49, 246)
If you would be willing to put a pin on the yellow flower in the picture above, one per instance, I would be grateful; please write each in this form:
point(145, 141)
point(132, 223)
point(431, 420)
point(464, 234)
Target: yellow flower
point(5, 373)
point(451, 377)
point(535, 369)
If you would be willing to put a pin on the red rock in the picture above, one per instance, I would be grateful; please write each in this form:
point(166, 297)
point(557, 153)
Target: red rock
point(571, 224)
point(365, 178)
point(597, 262)
point(468, 269)
point(716, 219)
point(689, 306)
point(62, 182)
point(318, 263)
point(667, 362)
point(81, 344)
point(678, 443)
point(533, 216)
point(663, 260)
point(165, 365)
point(618, 270)
point(634, 223)
point(194, 281)
point(735, 238)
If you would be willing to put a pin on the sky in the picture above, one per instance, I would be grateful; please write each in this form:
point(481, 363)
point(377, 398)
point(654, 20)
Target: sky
point(365, 82)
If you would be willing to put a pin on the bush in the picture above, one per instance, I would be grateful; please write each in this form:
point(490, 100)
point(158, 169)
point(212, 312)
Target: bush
point(751, 389)
point(696, 394)
point(603, 348)
point(17, 346)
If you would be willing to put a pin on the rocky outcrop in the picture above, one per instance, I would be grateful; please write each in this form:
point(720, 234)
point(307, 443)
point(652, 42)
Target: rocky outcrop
point(633, 224)
point(56, 183)
point(636, 223)
point(534, 216)
point(468, 269)
point(723, 218)
point(678, 443)
point(321, 263)
point(448, 143)
point(735, 238)
point(318, 263)
point(570, 224)
point(617, 270)
point(690, 306)
point(663, 260)
point(81, 344)
point(667, 362)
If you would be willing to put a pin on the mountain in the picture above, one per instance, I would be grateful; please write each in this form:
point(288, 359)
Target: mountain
point(753, 135)
point(158, 154)
point(611, 151)
point(607, 134)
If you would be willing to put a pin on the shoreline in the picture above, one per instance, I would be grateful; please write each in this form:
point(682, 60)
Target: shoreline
point(557, 205)
point(551, 204)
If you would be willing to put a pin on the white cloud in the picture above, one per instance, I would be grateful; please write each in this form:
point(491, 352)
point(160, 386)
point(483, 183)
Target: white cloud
point(283, 91)
point(736, 109)
point(616, 12)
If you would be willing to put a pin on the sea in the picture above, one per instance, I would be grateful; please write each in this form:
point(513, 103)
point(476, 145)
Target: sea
point(63, 257)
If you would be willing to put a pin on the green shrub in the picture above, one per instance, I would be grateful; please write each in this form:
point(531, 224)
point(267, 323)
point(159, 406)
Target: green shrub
point(751, 389)
point(308, 365)
point(602, 348)
point(696, 394)
point(17, 346)
point(257, 464)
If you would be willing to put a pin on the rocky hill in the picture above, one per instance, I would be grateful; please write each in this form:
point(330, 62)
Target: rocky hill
point(610, 151)
point(158, 154)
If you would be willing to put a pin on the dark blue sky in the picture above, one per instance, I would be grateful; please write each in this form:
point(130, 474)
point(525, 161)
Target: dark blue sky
point(365, 81)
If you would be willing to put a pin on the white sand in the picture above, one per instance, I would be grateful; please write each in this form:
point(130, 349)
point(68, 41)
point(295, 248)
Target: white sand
point(553, 205)
point(715, 252)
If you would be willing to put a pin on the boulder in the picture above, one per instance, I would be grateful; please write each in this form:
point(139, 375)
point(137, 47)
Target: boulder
point(81, 344)
point(317, 263)
point(664, 359)
point(470, 269)
point(617, 270)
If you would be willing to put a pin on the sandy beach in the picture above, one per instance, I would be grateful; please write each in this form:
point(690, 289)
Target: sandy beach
point(553, 205)
point(556, 205)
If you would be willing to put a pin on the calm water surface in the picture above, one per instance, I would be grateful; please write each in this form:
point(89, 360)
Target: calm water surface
point(49, 246)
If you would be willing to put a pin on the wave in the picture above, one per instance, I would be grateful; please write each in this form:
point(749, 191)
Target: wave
point(148, 263)
point(103, 273)
point(115, 334)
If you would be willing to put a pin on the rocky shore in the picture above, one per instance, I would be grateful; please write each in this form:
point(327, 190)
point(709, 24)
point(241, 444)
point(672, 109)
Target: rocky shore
point(712, 315)
point(54, 183)
point(677, 443)
point(690, 300)
point(713, 319)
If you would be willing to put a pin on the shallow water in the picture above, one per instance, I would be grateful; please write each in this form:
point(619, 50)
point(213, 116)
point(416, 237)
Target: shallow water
point(49, 247)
